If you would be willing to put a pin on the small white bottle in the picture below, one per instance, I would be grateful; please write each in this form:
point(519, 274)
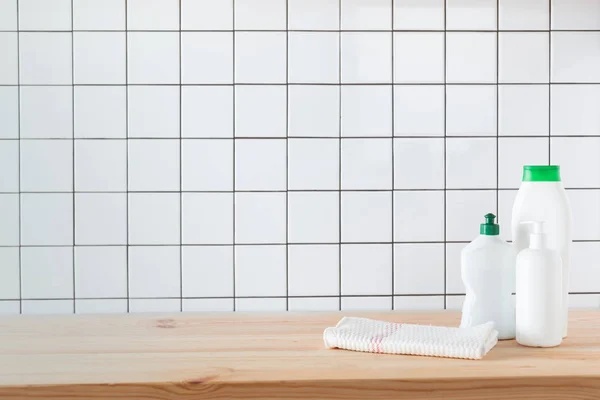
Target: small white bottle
point(539, 292)
point(488, 272)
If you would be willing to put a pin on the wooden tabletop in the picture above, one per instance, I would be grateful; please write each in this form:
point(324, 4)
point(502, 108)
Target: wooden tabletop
point(273, 356)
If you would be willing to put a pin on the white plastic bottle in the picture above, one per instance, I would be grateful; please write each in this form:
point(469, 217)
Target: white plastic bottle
point(542, 197)
point(487, 269)
point(539, 288)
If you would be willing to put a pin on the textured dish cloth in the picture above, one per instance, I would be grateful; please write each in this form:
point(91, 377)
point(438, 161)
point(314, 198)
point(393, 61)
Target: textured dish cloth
point(363, 334)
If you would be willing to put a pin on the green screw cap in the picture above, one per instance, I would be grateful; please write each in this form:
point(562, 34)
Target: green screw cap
point(541, 173)
point(490, 228)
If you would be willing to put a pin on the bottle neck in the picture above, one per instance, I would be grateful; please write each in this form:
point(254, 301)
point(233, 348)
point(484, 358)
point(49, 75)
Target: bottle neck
point(537, 241)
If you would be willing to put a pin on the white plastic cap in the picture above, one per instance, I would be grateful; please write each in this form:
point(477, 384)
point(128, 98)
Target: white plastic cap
point(537, 234)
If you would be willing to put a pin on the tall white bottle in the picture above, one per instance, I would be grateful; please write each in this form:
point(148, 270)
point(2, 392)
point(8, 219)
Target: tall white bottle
point(539, 288)
point(487, 269)
point(542, 197)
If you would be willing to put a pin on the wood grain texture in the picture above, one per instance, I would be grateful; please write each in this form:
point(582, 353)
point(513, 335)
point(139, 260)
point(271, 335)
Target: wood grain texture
point(273, 356)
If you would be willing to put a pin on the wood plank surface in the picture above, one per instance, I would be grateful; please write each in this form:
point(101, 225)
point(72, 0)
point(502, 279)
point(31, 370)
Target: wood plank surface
point(273, 356)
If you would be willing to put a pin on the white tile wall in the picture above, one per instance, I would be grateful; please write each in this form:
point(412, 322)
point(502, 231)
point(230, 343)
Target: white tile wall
point(282, 154)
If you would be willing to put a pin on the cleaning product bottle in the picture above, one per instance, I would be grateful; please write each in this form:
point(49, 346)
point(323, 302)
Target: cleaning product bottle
point(539, 288)
point(542, 197)
point(488, 272)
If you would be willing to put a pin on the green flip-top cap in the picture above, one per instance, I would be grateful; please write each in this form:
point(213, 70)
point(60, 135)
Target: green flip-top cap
point(490, 228)
point(541, 173)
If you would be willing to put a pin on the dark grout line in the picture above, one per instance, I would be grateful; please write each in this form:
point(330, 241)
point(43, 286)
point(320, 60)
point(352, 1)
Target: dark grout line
point(524, 31)
point(180, 177)
point(283, 83)
point(19, 161)
point(127, 156)
point(340, 156)
point(234, 258)
point(73, 154)
point(393, 252)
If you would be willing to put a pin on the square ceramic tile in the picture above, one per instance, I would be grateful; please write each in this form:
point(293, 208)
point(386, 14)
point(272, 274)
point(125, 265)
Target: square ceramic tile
point(207, 218)
point(45, 15)
point(46, 112)
point(154, 271)
point(584, 274)
point(506, 200)
point(454, 302)
point(9, 67)
point(10, 307)
point(260, 304)
point(46, 272)
point(366, 57)
point(524, 15)
point(154, 305)
point(586, 214)
point(9, 165)
point(47, 307)
point(206, 164)
point(419, 163)
point(575, 14)
point(46, 165)
point(357, 278)
point(159, 49)
point(366, 15)
point(419, 110)
point(207, 57)
point(313, 164)
point(153, 111)
point(46, 219)
point(260, 271)
point(153, 218)
point(206, 111)
point(454, 283)
point(471, 15)
point(260, 57)
point(579, 161)
point(206, 15)
point(574, 110)
point(366, 216)
point(260, 111)
point(45, 58)
point(313, 217)
point(366, 110)
point(153, 165)
point(155, 15)
point(313, 110)
point(9, 230)
point(577, 300)
point(8, 15)
point(99, 15)
point(465, 211)
point(523, 57)
point(471, 110)
point(575, 56)
point(419, 57)
point(419, 14)
point(9, 112)
point(366, 163)
point(260, 164)
point(471, 57)
point(100, 218)
point(100, 165)
point(313, 270)
point(99, 57)
point(513, 153)
point(10, 270)
point(523, 110)
point(100, 112)
point(260, 14)
point(419, 268)
point(366, 303)
point(260, 217)
point(418, 303)
point(419, 216)
point(314, 304)
point(104, 306)
point(101, 271)
point(313, 14)
point(207, 305)
point(207, 271)
point(471, 163)
point(313, 57)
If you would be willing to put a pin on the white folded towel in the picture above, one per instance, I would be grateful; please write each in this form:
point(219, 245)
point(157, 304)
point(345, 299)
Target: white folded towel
point(363, 334)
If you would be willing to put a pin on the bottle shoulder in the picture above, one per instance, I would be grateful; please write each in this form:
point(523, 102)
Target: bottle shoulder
point(484, 242)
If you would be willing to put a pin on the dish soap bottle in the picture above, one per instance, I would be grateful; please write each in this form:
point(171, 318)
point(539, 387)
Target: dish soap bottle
point(539, 288)
point(488, 272)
